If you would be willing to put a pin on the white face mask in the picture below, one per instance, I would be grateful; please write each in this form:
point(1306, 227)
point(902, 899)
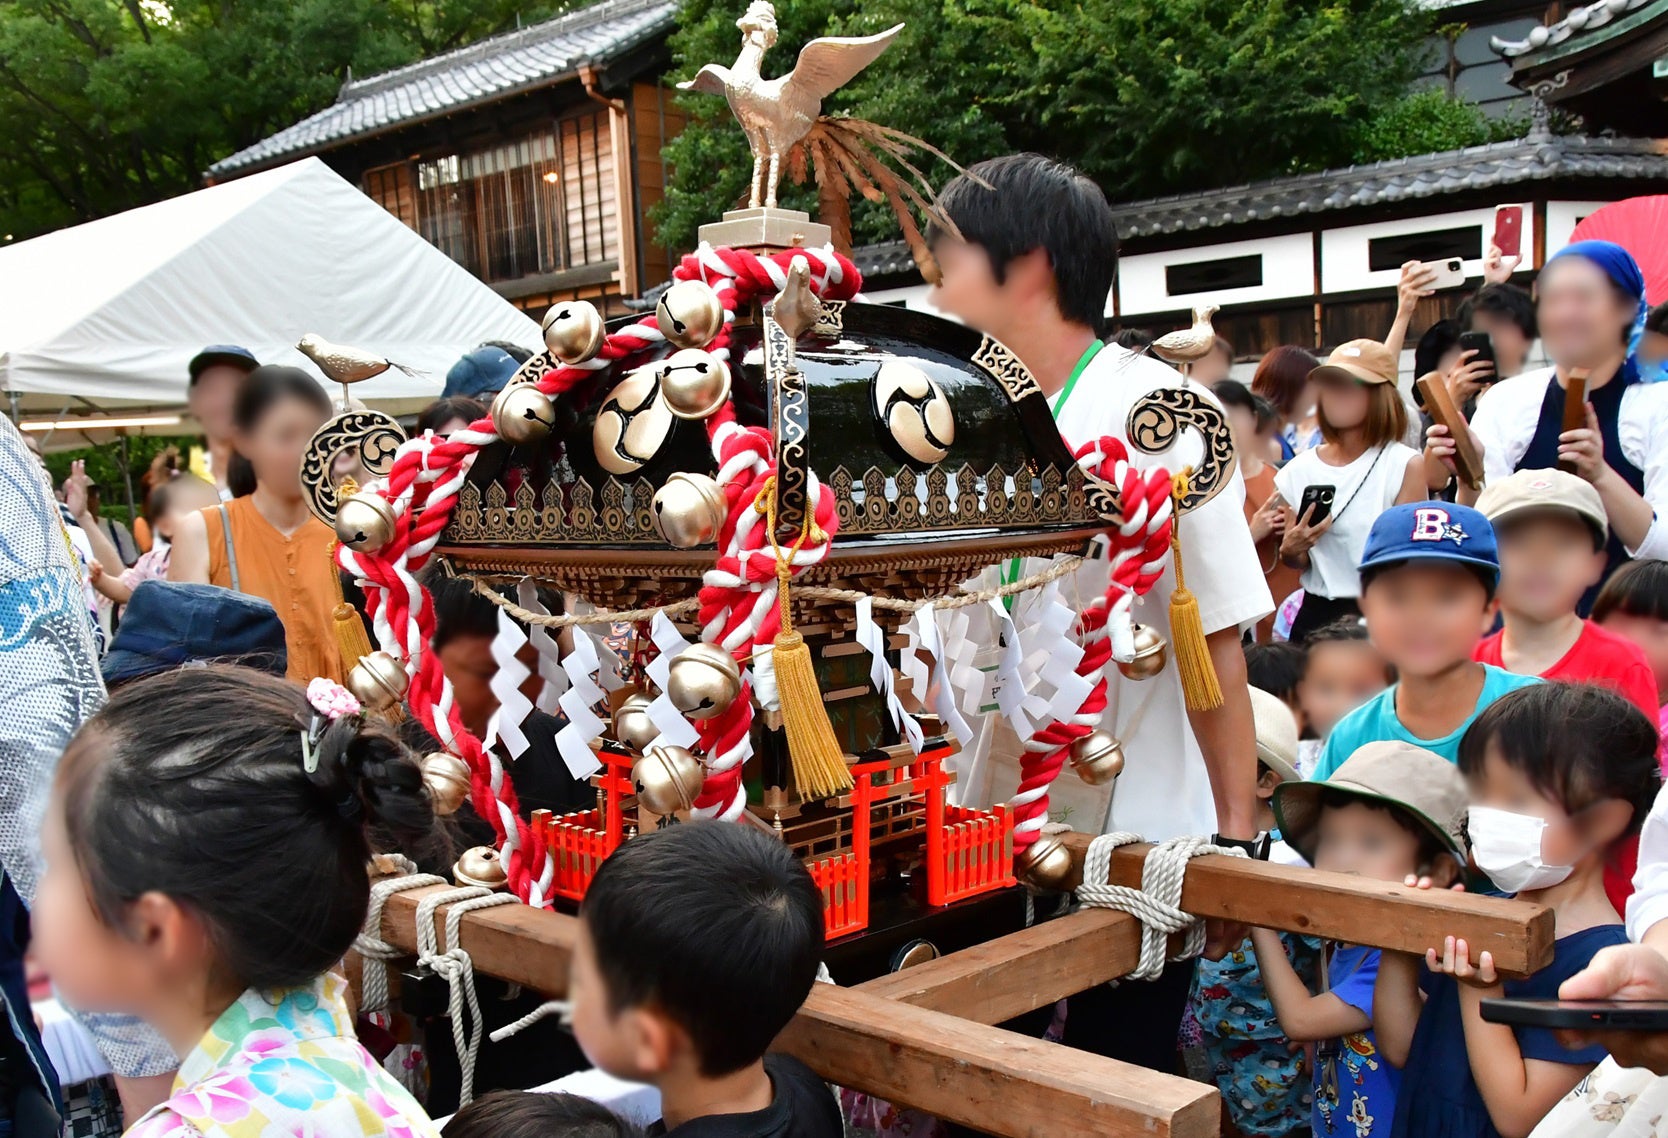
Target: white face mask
point(1507, 847)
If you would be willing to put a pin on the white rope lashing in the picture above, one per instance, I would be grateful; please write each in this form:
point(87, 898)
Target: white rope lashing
point(459, 971)
point(1157, 904)
point(377, 953)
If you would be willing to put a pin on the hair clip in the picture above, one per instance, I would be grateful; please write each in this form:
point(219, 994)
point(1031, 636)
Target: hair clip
point(330, 701)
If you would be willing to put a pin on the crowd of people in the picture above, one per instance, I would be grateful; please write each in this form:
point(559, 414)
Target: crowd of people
point(1442, 685)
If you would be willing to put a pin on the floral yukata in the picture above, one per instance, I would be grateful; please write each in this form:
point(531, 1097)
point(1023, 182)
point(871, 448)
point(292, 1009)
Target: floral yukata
point(285, 1065)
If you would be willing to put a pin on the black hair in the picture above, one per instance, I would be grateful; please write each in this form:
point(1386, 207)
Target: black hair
point(1135, 339)
point(530, 1114)
point(1576, 743)
point(1346, 630)
point(1275, 668)
point(1266, 414)
point(1638, 588)
point(1487, 580)
point(161, 480)
point(1507, 300)
point(1233, 393)
point(716, 925)
point(1432, 849)
point(260, 391)
point(459, 610)
point(515, 351)
point(1439, 339)
point(1657, 319)
point(445, 410)
point(1011, 205)
point(210, 803)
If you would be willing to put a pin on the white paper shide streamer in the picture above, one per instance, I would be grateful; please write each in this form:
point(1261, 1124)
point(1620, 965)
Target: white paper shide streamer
point(513, 707)
point(578, 703)
point(553, 680)
point(674, 729)
point(871, 636)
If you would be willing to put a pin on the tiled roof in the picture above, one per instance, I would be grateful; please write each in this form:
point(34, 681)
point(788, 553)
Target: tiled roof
point(1500, 164)
point(489, 69)
point(1579, 20)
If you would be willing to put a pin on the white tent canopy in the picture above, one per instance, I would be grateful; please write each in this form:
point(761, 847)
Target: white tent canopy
point(107, 314)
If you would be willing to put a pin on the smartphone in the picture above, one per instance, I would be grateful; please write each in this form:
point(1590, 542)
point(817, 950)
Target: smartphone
point(1320, 497)
point(1508, 230)
point(1579, 1015)
point(1480, 343)
point(1450, 273)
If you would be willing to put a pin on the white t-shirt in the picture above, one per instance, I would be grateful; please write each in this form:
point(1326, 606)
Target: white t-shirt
point(1364, 490)
point(1649, 902)
point(1164, 791)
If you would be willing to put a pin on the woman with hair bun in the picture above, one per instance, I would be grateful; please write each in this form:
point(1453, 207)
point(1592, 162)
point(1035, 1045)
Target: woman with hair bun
point(206, 871)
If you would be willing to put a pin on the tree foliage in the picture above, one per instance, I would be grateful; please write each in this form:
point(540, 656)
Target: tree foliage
point(108, 104)
point(1426, 122)
point(1147, 96)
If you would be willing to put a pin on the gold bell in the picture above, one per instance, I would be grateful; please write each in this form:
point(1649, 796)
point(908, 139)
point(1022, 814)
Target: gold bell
point(689, 314)
point(693, 383)
point(632, 725)
point(667, 779)
point(1045, 863)
point(689, 510)
point(365, 522)
point(447, 778)
point(1097, 758)
point(703, 681)
point(1149, 655)
point(573, 331)
point(378, 681)
point(522, 414)
point(481, 867)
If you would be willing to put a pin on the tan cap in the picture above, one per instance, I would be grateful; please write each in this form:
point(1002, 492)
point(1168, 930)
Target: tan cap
point(1426, 786)
point(1366, 361)
point(1276, 734)
point(1544, 490)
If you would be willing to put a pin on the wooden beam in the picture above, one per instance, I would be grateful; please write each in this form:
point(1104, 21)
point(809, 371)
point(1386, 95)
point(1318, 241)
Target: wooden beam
point(1381, 914)
point(987, 1078)
point(1000, 979)
point(980, 1076)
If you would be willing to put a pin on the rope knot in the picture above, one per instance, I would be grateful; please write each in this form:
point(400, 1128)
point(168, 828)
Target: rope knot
point(1157, 904)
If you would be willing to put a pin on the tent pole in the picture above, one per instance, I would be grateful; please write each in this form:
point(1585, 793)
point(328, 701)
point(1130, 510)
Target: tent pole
point(127, 481)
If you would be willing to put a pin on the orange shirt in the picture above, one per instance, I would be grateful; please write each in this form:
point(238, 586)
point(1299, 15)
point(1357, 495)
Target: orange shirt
point(294, 574)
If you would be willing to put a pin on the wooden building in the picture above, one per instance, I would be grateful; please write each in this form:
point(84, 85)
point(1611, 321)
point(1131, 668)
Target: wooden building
point(531, 158)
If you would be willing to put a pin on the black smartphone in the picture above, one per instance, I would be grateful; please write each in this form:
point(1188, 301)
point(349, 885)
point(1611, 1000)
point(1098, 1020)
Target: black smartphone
point(1579, 1015)
point(1480, 343)
point(1319, 497)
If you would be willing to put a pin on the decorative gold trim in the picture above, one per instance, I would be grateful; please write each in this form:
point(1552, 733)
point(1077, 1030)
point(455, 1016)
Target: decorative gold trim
point(1004, 367)
point(377, 436)
point(1156, 422)
point(832, 320)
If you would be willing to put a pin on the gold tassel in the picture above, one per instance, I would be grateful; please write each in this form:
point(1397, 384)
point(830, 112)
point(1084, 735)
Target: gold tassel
point(1187, 630)
point(819, 764)
point(351, 639)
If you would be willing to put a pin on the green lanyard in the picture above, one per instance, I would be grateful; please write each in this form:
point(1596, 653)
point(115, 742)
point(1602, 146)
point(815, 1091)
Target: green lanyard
point(1058, 405)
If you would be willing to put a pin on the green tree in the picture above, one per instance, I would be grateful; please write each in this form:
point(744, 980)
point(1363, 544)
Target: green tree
point(108, 104)
point(1426, 122)
point(1147, 96)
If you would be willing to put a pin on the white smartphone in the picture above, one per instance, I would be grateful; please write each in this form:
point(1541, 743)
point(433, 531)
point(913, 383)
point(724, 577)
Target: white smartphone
point(1450, 273)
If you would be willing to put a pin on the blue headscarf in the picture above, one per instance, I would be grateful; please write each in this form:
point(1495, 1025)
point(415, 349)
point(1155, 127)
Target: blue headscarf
point(1624, 272)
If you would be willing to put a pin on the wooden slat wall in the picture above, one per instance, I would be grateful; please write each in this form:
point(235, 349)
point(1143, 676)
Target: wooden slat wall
point(394, 189)
point(657, 120)
point(588, 186)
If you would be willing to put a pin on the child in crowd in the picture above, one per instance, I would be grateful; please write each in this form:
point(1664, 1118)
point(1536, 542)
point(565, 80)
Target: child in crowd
point(1264, 1087)
point(175, 493)
point(1277, 668)
point(1390, 811)
point(206, 849)
point(1558, 773)
point(528, 1114)
point(1342, 670)
point(1427, 588)
point(697, 945)
point(1552, 532)
point(1634, 604)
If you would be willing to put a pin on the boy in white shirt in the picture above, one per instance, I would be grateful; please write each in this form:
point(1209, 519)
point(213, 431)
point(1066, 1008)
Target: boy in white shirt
point(1031, 266)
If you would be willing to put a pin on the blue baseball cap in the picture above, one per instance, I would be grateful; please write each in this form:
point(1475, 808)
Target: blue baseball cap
point(168, 624)
point(221, 354)
point(1432, 531)
point(481, 372)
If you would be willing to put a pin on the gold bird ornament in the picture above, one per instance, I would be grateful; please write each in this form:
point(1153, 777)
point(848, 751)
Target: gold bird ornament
point(344, 364)
point(1189, 344)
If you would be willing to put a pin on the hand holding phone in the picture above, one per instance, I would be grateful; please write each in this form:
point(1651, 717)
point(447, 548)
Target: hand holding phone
point(1316, 504)
point(1508, 231)
point(1450, 273)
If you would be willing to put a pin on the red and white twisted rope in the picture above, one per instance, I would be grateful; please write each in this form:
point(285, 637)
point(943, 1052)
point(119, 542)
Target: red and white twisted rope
point(1139, 544)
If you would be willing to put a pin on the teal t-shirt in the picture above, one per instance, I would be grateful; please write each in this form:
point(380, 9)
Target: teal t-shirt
point(1375, 721)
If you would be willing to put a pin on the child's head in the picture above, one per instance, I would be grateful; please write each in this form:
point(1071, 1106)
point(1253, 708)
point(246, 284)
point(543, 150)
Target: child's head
point(1634, 604)
point(190, 853)
point(1030, 232)
point(1390, 810)
point(1357, 386)
point(1574, 764)
point(1276, 728)
point(1276, 668)
point(1428, 576)
point(529, 1114)
point(174, 492)
point(1551, 529)
point(1342, 670)
point(697, 945)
